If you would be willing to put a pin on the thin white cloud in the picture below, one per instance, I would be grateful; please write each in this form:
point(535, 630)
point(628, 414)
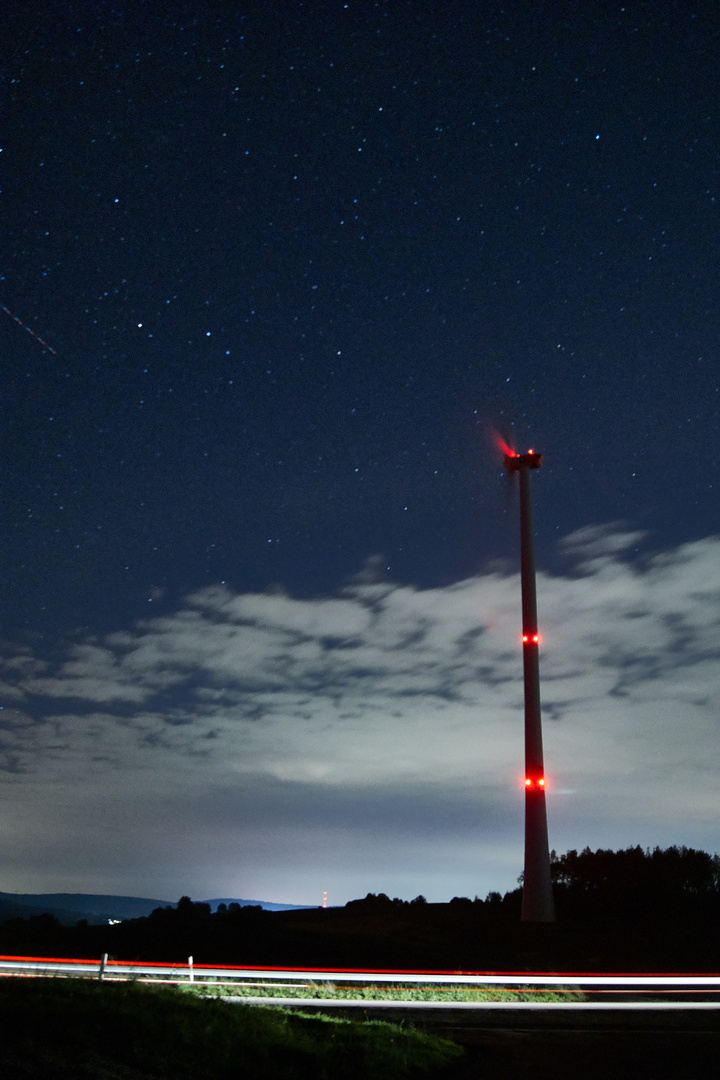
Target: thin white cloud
point(596, 540)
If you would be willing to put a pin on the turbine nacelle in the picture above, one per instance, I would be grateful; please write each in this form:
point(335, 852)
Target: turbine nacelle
point(514, 461)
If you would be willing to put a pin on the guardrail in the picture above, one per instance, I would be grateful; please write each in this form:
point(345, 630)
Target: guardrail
point(298, 978)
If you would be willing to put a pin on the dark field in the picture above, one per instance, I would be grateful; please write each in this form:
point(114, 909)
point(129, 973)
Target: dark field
point(70, 1029)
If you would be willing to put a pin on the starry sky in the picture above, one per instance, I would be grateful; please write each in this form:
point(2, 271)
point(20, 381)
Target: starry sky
point(273, 276)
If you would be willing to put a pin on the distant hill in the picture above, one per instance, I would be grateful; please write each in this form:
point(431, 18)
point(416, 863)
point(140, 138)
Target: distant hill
point(69, 908)
point(267, 905)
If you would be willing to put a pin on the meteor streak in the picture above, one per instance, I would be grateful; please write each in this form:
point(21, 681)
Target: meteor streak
point(21, 323)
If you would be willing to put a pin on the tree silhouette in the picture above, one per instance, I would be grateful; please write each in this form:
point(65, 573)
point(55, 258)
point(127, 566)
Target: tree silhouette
point(677, 881)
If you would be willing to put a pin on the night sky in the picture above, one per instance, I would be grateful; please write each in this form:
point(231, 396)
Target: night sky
point(287, 267)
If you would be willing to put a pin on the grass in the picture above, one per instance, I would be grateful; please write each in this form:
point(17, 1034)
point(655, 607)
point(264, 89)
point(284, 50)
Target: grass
point(411, 992)
point(75, 1029)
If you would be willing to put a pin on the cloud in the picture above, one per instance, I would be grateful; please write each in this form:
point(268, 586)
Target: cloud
point(388, 712)
point(597, 540)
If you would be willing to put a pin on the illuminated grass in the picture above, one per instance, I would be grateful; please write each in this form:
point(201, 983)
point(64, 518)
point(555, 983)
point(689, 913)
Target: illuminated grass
point(412, 992)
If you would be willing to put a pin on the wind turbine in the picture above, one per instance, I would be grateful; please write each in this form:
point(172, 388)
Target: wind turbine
point(537, 895)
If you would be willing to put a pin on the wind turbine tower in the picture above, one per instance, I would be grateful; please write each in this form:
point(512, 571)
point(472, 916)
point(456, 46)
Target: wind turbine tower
point(537, 896)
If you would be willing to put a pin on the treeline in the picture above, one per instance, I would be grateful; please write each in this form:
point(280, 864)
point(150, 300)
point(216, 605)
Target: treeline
point(677, 882)
point(245, 934)
point(168, 934)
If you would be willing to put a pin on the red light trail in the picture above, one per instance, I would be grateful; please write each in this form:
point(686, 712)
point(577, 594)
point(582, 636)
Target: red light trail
point(502, 446)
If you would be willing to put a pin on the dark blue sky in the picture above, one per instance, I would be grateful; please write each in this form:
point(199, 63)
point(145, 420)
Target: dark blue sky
point(296, 261)
point(354, 236)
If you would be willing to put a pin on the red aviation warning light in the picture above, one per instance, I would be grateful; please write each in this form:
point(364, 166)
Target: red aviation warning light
point(530, 783)
point(531, 639)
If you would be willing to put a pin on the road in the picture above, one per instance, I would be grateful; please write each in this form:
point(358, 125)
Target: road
point(585, 1053)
